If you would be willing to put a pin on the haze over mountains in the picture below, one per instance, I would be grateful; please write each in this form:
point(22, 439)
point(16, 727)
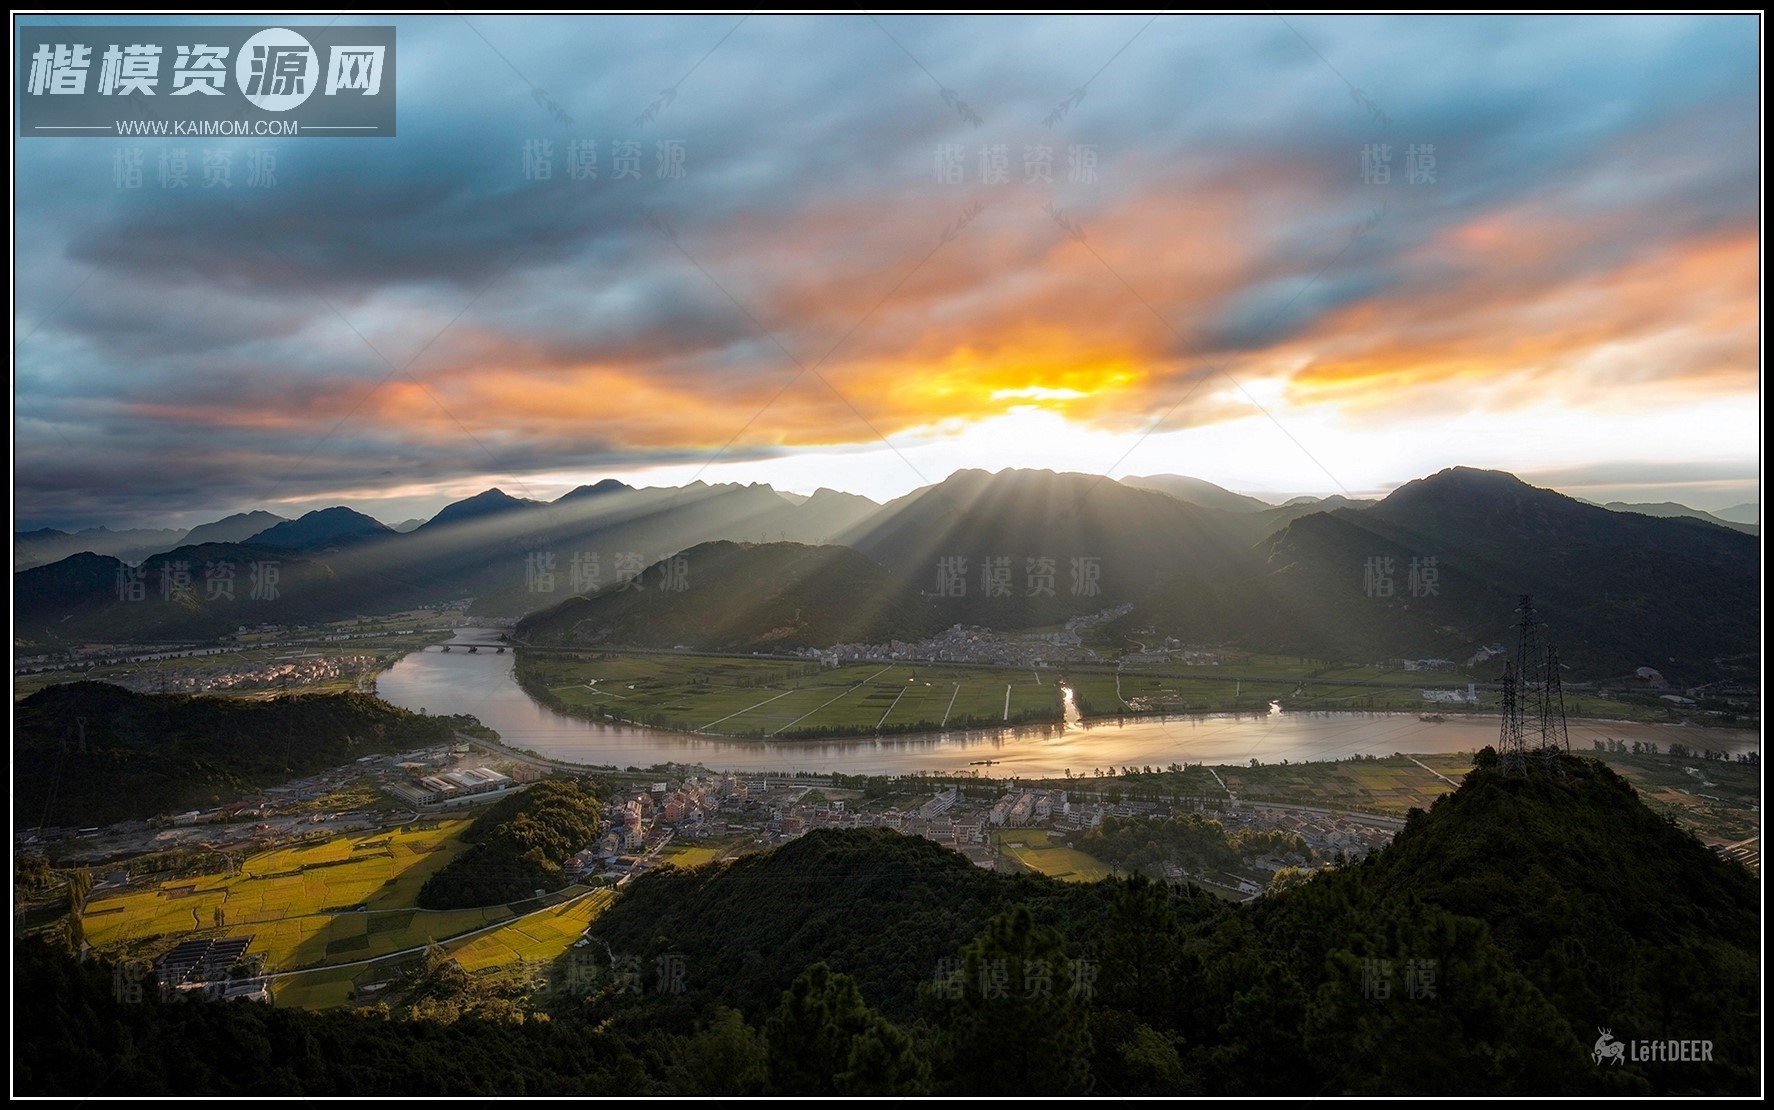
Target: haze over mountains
point(1436, 569)
point(1010, 550)
point(133, 545)
point(746, 597)
point(46, 545)
point(1670, 508)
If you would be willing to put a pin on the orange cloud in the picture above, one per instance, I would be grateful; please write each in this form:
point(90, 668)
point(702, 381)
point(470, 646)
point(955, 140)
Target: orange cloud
point(856, 319)
point(1508, 330)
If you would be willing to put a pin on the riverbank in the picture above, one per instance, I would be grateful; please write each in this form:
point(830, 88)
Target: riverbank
point(486, 686)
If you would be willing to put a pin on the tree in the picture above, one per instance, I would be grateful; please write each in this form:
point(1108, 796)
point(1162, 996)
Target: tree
point(1137, 945)
point(1287, 878)
point(824, 1039)
point(883, 1060)
point(32, 873)
point(1014, 1017)
point(727, 1058)
point(79, 890)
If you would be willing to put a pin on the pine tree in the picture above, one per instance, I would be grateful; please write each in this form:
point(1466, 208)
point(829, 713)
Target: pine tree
point(824, 1039)
point(1014, 1019)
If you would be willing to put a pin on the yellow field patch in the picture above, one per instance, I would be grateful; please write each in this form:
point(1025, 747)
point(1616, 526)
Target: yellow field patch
point(1031, 848)
point(298, 901)
point(542, 936)
point(692, 857)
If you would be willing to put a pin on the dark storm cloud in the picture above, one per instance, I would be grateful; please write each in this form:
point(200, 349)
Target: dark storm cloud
point(248, 334)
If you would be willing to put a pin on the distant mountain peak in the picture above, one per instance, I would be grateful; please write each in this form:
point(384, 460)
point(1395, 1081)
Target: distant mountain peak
point(485, 503)
point(1475, 477)
point(233, 529)
point(600, 488)
point(321, 528)
point(491, 496)
point(1676, 509)
point(1197, 491)
point(825, 494)
point(1465, 482)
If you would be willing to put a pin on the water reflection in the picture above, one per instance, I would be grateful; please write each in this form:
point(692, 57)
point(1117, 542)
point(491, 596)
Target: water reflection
point(483, 685)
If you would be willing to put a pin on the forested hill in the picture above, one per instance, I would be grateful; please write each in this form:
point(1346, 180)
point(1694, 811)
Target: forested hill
point(518, 846)
point(1536, 909)
point(1481, 953)
point(743, 597)
point(148, 754)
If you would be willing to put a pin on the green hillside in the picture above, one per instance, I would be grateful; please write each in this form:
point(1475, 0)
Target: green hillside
point(149, 754)
point(1436, 569)
point(728, 596)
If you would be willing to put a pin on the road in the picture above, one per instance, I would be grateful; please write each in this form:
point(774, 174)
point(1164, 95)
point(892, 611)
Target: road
point(1432, 771)
point(472, 933)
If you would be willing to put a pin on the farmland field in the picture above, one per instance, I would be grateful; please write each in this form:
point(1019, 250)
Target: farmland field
point(540, 936)
point(537, 938)
point(1392, 785)
point(300, 904)
point(689, 857)
point(1302, 685)
point(1032, 849)
point(785, 699)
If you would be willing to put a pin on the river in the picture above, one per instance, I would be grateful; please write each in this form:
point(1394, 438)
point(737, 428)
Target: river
point(483, 684)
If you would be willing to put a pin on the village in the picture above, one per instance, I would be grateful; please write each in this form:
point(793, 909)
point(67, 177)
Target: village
point(308, 670)
point(962, 643)
point(747, 814)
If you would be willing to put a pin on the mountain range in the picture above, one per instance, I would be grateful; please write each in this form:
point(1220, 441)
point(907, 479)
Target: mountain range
point(132, 545)
point(1434, 569)
point(1670, 508)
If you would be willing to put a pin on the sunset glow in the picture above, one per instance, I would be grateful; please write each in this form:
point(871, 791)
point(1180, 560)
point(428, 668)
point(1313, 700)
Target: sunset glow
point(1221, 286)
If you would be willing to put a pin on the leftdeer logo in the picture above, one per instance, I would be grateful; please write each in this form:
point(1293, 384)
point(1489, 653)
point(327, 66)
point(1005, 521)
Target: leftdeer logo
point(1607, 1048)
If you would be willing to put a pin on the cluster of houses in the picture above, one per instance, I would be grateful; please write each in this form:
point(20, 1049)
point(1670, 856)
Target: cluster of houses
point(1326, 833)
point(1174, 651)
point(788, 810)
point(947, 818)
point(1027, 807)
point(648, 817)
point(963, 643)
point(1419, 665)
point(644, 818)
point(1468, 696)
point(306, 671)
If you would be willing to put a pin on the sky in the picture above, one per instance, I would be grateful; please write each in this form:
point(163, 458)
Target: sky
point(1301, 254)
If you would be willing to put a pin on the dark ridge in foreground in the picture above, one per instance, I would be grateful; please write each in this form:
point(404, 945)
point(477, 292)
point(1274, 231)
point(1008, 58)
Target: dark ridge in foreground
point(1480, 954)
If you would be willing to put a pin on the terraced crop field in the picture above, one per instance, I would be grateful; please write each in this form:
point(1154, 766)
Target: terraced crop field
point(345, 899)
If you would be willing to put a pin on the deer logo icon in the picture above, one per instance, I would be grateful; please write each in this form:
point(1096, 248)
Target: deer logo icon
point(1607, 1048)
